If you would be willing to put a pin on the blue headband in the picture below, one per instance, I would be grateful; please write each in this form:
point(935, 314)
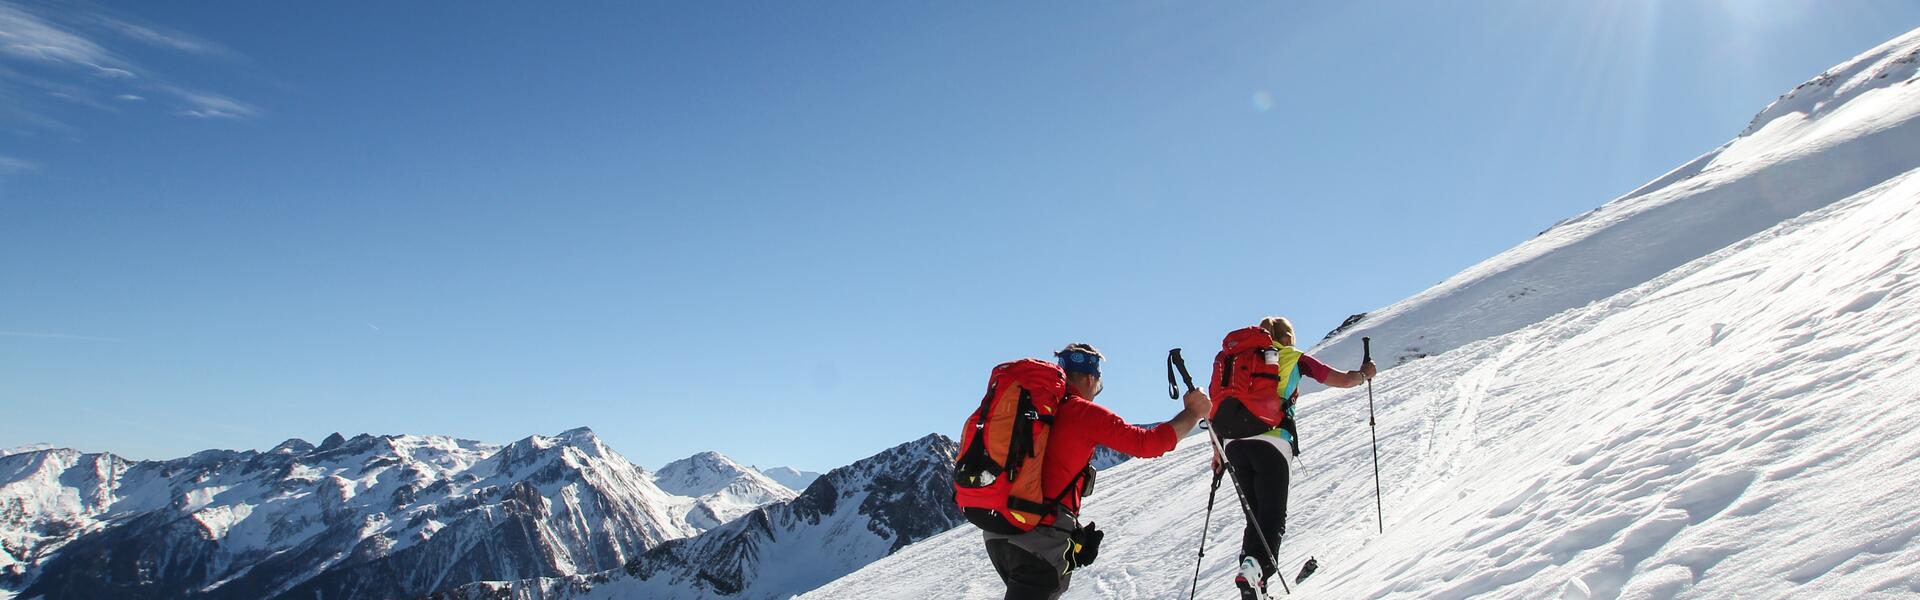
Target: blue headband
point(1079, 361)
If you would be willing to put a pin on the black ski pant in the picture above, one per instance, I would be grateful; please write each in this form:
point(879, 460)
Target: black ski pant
point(1028, 577)
point(1261, 470)
point(1035, 565)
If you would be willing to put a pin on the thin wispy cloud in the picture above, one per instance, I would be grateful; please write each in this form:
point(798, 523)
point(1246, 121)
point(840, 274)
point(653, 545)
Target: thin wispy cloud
point(75, 56)
point(10, 165)
point(213, 106)
point(155, 35)
point(26, 36)
point(57, 336)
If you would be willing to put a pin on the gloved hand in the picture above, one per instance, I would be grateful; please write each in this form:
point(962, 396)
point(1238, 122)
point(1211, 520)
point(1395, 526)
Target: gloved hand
point(1086, 544)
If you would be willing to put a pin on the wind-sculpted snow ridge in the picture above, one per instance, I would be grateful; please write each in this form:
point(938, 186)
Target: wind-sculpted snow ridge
point(366, 517)
point(849, 517)
point(1741, 424)
point(1846, 130)
point(36, 447)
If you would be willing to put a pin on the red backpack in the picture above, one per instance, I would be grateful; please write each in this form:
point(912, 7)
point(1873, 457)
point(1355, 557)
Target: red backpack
point(997, 477)
point(1253, 381)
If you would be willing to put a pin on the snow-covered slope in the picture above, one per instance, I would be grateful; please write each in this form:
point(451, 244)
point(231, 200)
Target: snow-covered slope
point(49, 496)
point(1739, 423)
point(851, 516)
point(722, 490)
point(795, 479)
point(367, 517)
point(1845, 131)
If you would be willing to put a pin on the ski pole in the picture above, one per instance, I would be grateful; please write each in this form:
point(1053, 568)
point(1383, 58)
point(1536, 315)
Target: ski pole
point(1380, 513)
point(1174, 360)
point(1204, 522)
point(1173, 391)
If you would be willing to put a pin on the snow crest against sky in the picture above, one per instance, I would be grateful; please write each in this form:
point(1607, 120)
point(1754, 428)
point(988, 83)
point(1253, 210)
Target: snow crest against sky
point(793, 233)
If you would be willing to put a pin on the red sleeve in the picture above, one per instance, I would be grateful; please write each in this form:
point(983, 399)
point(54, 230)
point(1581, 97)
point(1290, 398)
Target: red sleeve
point(1312, 367)
point(1106, 428)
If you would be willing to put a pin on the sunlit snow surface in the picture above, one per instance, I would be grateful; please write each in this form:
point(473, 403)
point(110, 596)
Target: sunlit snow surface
point(1828, 139)
point(1660, 414)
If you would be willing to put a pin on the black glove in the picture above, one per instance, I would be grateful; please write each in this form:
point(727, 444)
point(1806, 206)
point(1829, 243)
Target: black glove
point(1086, 544)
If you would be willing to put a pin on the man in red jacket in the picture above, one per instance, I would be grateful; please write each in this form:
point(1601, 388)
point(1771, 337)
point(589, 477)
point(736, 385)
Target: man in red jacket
point(1037, 565)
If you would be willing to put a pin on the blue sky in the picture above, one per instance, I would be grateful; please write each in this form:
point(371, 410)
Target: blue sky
point(796, 233)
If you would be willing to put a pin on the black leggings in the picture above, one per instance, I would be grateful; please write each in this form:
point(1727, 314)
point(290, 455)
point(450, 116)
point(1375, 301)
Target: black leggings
point(1261, 471)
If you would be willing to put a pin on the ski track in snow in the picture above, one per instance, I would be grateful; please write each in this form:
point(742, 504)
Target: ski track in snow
point(1726, 410)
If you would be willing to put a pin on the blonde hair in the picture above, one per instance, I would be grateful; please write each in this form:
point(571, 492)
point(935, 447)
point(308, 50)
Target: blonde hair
point(1277, 326)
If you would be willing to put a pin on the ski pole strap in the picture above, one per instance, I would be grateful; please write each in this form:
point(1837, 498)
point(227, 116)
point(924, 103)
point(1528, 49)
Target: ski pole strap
point(1173, 391)
point(1175, 361)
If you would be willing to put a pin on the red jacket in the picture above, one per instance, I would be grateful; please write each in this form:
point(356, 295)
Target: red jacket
point(1078, 427)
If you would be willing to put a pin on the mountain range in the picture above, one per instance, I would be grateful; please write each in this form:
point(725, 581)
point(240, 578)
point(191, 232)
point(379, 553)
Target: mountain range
point(847, 518)
point(363, 517)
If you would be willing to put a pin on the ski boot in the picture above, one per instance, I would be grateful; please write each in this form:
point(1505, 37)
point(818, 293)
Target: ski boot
point(1252, 581)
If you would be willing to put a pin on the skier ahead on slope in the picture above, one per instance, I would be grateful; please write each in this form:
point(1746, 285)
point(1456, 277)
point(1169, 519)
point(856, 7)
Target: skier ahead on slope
point(1256, 380)
point(1040, 417)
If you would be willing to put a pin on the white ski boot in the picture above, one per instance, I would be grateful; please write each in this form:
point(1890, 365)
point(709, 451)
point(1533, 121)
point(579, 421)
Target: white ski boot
point(1252, 581)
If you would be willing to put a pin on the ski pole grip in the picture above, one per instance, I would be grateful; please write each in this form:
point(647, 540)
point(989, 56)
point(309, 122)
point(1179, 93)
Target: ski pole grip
point(1366, 350)
point(1180, 363)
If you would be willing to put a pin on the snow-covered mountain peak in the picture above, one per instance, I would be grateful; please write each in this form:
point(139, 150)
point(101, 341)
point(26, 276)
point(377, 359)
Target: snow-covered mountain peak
point(581, 439)
point(795, 479)
point(294, 446)
point(701, 474)
point(851, 516)
point(578, 436)
point(577, 448)
point(910, 458)
point(704, 460)
point(724, 490)
point(26, 448)
point(334, 440)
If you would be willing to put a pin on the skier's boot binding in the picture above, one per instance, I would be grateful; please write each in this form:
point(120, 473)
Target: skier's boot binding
point(1252, 581)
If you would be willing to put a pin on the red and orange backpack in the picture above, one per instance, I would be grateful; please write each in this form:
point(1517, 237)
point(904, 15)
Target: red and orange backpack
point(998, 477)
